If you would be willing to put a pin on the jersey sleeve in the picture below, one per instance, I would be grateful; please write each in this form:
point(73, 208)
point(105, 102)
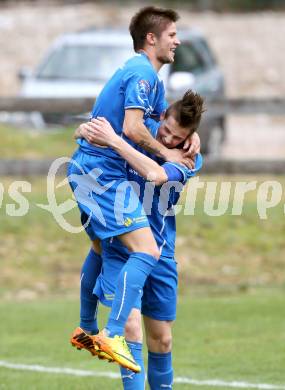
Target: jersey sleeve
point(173, 173)
point(138, 89)
point(177, 172)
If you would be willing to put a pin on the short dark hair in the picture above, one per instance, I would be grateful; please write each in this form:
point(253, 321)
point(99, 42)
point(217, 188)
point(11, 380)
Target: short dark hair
point(150, 19)
point(187, 111)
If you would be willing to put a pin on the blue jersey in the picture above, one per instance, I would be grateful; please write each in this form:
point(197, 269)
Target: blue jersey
point(165, 197)
point(159, 201)
point(135, 85)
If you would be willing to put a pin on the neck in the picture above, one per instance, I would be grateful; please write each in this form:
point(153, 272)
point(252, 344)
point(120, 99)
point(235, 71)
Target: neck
point(152, 58)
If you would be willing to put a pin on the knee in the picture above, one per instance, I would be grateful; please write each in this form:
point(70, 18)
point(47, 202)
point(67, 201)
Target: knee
point(141, 240)
point(151, 250)
point(154, 252)
point(160, 344)
point(165, 344)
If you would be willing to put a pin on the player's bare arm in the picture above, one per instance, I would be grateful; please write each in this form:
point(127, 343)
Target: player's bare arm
point(103, 133)
point(135, 129)
point(90, 133)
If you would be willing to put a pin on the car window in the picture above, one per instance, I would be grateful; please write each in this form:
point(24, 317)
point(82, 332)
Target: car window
point(187, 60)
point(84, 62)
point(206, 52)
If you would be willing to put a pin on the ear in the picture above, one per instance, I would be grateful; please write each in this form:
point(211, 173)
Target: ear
point(150, 38)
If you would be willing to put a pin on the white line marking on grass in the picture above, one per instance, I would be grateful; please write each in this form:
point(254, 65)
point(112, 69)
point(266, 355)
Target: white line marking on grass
point(58, 370)
point(221, 383)
point(114, 375)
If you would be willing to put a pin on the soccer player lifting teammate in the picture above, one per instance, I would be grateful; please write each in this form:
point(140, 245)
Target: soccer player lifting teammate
point(158, 303)
point(133, 94)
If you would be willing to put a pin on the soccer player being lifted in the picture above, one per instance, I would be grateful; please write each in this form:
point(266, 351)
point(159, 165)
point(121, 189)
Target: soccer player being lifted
point(158, 302)
point(133, 94)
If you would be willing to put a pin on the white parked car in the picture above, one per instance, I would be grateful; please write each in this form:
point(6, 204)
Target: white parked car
point(79, 64)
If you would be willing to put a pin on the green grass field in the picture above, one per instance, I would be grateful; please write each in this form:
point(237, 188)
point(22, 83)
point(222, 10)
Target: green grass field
point(227, 252)
point(231, 310)
point(25, 143)
point(233, 338)
point(230, 322)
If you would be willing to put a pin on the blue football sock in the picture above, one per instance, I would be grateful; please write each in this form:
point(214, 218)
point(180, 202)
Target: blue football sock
point(129, 288)
point(132, 381)
point(160, 370)
point(88, 302)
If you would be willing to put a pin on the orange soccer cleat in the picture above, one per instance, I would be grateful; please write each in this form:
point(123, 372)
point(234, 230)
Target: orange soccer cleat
point(82, 340)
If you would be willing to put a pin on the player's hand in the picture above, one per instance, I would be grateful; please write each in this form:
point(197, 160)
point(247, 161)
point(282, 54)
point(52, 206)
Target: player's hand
point(85, 131)
point(192, 146)
point(97, 132)
point(178, 156)
point(102, 132)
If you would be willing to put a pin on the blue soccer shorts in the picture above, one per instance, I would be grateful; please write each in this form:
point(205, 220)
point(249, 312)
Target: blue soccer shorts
point(109, 204)
point(159, 296)
point(160, 291)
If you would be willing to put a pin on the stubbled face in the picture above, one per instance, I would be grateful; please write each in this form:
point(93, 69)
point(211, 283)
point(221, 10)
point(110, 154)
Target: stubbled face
point(170, 134)
point(166, 44)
